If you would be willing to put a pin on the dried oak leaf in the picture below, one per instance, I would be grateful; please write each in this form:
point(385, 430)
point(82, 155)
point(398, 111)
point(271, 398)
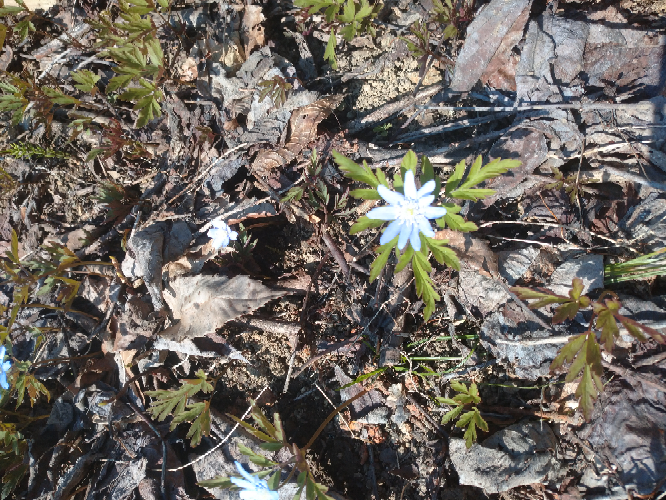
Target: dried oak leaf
point(205, 303)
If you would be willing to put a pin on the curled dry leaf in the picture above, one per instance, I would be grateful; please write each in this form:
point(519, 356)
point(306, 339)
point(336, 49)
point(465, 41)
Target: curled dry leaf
point(205, 303)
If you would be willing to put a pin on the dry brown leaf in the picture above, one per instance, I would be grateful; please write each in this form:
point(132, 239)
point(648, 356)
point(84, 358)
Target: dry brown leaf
point(205, 303)
point(253, 32)
point(303, 126)
point(472, 251)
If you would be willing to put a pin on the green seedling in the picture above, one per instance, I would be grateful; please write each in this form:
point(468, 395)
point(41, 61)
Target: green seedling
point(583, 352)
point(175, 402)
point(643, 267)
point(466, 399)
point(347, 18)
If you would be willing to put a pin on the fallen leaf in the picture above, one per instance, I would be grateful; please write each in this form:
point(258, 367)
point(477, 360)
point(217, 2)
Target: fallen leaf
point(205, 303)
point(472, 251)
point(303, 126)
point(253, 32)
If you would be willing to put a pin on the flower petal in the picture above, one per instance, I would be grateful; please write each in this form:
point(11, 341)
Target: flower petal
point(2, 352)
point(253, 480)
point(3, 381)
point(405, 231)
point(383, 213)
point(391, 231)
point(433, 212)
point(426, 200)
point(233, 235)
point(389, 196)
point(6, 366)
point(415, 239)
point(425, 227)
point(427, 188)
point(410, 187)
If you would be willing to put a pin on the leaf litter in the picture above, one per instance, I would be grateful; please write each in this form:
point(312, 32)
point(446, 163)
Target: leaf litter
point(590, 82)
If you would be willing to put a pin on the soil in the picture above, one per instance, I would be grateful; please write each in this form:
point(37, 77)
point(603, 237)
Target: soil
point(330, 327)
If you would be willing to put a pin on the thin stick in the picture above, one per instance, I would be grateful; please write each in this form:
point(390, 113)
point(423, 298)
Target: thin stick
point(535, 107)
point(341, 415)
point(330, 417)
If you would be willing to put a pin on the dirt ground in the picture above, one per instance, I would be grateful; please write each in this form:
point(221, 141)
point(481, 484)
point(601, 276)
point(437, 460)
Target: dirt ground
point(217, 151)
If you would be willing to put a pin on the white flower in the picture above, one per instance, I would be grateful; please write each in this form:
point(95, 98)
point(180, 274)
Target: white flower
point(253, 487)
point(409, 212)
point(221, 234)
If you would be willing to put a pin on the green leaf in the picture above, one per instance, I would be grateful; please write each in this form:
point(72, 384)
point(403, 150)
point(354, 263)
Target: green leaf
point(262, 422)
point(254, 458)
point(201, 425)
point(365, 194)
point(273, 482)
point(408, 162)
point(134, 93)
point(329, 53)
point(453, 414)
point(364, 223)
point(382, 258)
point(356, 172)
point(252, 430)
point(476, 175)
point(14, 247)
point(24, 27)
point(404, 259)
point(3, 35)
point(568, 352)
point(606, 323)
point(442, 253)
point(11, 10)
point(455, 178)
point(86, 80)
point(295, 193)
point(458, 386)
point(363, 377)
point(148, 108)
point(173, 401)
point(57, 97)
point(217, 482)
point(155, 51)
point(424, 284)
point(545, 296)
point(271, 446)
point(278, 426)
point(429, 174)
point(118, 82)
point(588, 390)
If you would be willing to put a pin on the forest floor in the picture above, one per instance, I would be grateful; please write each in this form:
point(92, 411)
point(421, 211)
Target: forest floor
point(287, 315)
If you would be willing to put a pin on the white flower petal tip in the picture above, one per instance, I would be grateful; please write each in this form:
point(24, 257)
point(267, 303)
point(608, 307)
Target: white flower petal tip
point(252, 488)
point(410, 213)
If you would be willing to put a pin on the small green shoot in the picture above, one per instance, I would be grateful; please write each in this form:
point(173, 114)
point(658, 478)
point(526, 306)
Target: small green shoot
point(466, 399)
point(643, 267)
point(176, 402)
point(347, 18)
point(583, 352)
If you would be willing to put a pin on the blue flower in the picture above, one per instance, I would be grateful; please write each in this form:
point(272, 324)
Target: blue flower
point(253, 487)
point(4, 367)
point(409, 212)
point(221, 234)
